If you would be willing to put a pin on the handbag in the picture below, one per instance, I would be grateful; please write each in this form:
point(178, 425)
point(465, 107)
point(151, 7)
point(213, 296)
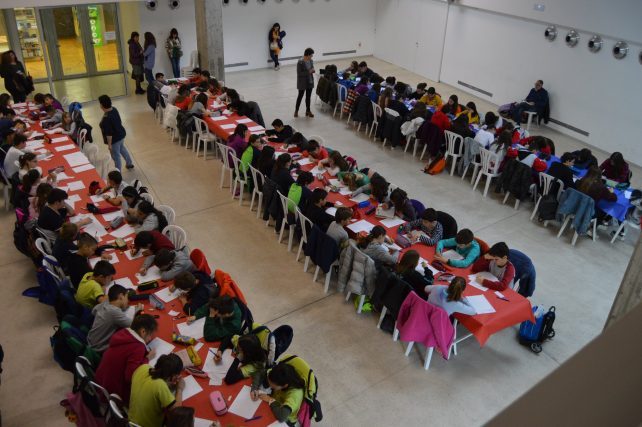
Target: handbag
point(274, 46)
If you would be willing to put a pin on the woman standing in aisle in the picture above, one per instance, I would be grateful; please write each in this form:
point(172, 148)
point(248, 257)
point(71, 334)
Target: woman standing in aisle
point(16, 80)
point(305, 81)
point(136, 61)
point(275, 37)
point(174, 51)
point(149, 57)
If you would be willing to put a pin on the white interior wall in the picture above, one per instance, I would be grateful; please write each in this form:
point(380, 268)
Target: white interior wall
point(324, 25)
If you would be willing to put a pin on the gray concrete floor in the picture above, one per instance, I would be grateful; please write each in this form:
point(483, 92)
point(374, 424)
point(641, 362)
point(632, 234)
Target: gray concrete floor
point(365, 379)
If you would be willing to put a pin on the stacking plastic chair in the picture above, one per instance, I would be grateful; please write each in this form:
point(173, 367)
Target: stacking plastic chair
point(43, 246)
point(84, 372)
point(545, 183)
point(168, 211)
point(284, 206)
point(452, 150)
point(204, 137)
point(377, 112)
point(306, 226)
point(489, 168)
point(118, 412)
point(227, 167)
point(571, 216)
point(476, 164)
point(258, 180)
point(240, 179)
point(342, 95)
point(176, 235)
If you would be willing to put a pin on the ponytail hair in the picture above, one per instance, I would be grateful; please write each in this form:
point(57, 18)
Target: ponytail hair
point(25, 158)
point(376, 232)
point(456, 289)
point(147, 208)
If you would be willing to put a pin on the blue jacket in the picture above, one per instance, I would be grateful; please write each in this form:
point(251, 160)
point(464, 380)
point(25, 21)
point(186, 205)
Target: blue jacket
point(321, 248)
point(470, 254)
point(579, 204)
point(524, 272)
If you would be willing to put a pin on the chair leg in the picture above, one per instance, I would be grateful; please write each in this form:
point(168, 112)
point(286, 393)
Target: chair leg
point(328, 279)
point(477, 181)
point(428, 358)
point(348, 296)
point(410, 344)
point(423, 152)
point(362, 299)
point(316, 273)
point(222, 176)
point(241, 192)
point(282, 230)
point(359, 127)
point(516, 204)
point(252, 200)
point(290, 238)
point(395, 334)
point(506, 198)
point(298, 254)
point(595, 228)
point(574, 238)
point(617, 232)
point(463, 175)
point(383, 314)
point(564, 224)
point(487, 186)
point(259, 205)
point(475, 172)
point(452, 168)
point(539, 199)
point(306, 264)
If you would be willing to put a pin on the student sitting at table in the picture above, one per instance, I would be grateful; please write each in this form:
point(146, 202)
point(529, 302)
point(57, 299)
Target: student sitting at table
point(584, 159)
point(151, 393)
point(150, 242)
point(402, 204)
point(299, 192)
point(213, 88)
point(496, 262)
point(114, 182)
point(196, 77)
point(450, 297)
point(68, 126)
point(315, 209)
point(183, 99)
point(238, 140)
point(615, 168)
point(49, 100)
point(453, 103)
point(223, 318)
point(170, 263)
point(334, 164)
point(54, 214)
point(562, 170)
point(407, 269)
point(354, 180)
point(239, 107)
point(378, 188)
point(336, 229)
point(440, 118)
point(149, 218)
point(91, 290)
point(486, 134)
point(251, 154)
point(471, 112)
point(352, 69)
point(110, 316)
point(198, 289)
point(373, 92)
point(29, 183)
point(362, 87)
point(592, 185)
point(265, 163)
point(126, 351)
point(364, 71)
point(464, 244)
point(373, 246)
point(390, 81)
point(287, 393)
point(77, 263)
point(419, 92)
point(529, 157)
point(64, 245)
point(315, 151)
point(297, 143)
point(280, 133)
point(53, 117)
point(130, 200)
point(426, 230)
point(281, 173)
point(385, 98)
point(38, 202)
point(501, 146)
point(199, 106)
point(432, 99)
point(251, 352)
point(397, 104)
point(13, 154)
point(460, 127)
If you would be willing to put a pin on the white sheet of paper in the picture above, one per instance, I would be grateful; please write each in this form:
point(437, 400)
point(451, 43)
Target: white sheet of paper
point(243, 405)
point(202, 422)
point(78, 217)
point(95, 229)
point(173, 313)
point(392, 222)
point(97, 198)
point(481, 304)
point(317, 170)
point(59, 139)
point(393, 245)
point(125, 282)
point(477, 284)
point(122, 231)
point(217, 371)
point(112, 215)
point(198, 346)
point(499, 294)
point(192, 388)
point(74, 198)
point(129, 255)
point(345, 191)
point(256, 129)
point(218, 118)
point(64, 147)
point(54, 131)
point(331, 211)
point(161, 347)
point(166, 296)
point(34, 145)
point(451, 254)
point(360, 198)
point(244, 120)
point(420, 267)
point(83, 168)
point(62, 177)
point(361, 225)
point(76, 159)
point(75, 185)
point(194, 330)
point(627, 193)
point(304, 161)
point(228, 126)
point(153, 273)
point(37, 134)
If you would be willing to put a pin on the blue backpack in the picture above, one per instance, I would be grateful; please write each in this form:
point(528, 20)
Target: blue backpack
point(534, 334)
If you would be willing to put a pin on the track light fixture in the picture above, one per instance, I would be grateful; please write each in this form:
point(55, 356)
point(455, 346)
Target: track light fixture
point(151, 4)
point(572, 38)
point(620, 50)
point(594, 44)
point(174, 4)
point(550, 33)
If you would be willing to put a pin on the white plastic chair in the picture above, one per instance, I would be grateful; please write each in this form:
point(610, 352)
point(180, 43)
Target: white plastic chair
point(545, 183)
point(284, 206)
point(204, 137)
point(529, 120)
point(227, 168)
point(306, 225)
point(452, 150)
point(328, 276)
point(257, 177)
point(6, 185)
point(489, 168)
point(342, 95)
point(118, 411)
point(81, 138)
point(377, 112)
point(148, 197)
point(176, 235)
point(43, 246)
point(240, 179)
point(318, 139)
point(168, 211)
point(476, 164)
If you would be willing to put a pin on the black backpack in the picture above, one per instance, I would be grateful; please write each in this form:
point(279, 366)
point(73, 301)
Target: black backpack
point(547, 208)
point(68, 342)
point(282, 338)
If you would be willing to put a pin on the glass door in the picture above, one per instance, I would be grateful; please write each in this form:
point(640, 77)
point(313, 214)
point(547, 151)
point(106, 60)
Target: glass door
point(65, 38)
point(103, 25)
point(29, 41)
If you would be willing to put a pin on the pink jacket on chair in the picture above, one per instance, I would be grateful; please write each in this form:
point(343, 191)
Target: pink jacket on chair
point(427, 324)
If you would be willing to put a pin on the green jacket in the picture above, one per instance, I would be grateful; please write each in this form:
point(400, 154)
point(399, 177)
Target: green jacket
point(246, 158)
point(215, 328)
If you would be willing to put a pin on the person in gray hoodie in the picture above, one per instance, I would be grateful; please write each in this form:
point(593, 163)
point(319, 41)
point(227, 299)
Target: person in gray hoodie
point(170, 263)
point(110, 316)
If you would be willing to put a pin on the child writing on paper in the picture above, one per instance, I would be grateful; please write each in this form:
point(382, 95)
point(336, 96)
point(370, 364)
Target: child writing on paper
point(223, 318)
point(450, 297)
point(150, 242)
point(287, 393)
point(464, 244)
point(407, 269)
point(402, 204)
point(334, 164)
point(251, 353)
point(496, 262)
point(336, 229)
point(373, 246)
point(426, 230)
point(116, 184)
point(77, 262)
point(91, 290)
point(170, 263)
point(199, 288)
point(315, 209)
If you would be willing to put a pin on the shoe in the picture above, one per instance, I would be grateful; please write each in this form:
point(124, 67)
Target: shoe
point(296, 114)
point(309, 114)
point(277, 68)
point(140, 92)
point(130, 166)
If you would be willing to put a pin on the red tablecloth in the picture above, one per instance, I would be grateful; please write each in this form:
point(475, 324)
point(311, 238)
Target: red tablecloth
point(482, 326)
point(128, 268)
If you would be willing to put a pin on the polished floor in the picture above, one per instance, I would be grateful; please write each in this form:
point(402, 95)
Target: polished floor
point(365, 379)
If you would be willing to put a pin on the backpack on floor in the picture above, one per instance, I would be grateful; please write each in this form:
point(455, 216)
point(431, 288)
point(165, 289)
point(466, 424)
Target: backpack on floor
point(310, 400)
point(547, 208)
point(534, 334)
point(437, 165)
point(68, 342)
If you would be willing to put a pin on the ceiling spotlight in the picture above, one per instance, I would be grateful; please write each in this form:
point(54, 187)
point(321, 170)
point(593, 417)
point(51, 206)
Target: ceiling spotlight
point(595, 44)
point(151, 4)
point(173, 4)
point(620, 50)
point(550, 33)
point(572, 38)
point(226, 1)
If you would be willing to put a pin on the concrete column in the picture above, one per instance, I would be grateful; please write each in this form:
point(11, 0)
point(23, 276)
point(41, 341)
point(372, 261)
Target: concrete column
point(630, 292)
point(209, 36)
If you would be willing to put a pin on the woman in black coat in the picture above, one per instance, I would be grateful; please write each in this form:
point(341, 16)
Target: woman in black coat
point(305, 81)
point(16, 80)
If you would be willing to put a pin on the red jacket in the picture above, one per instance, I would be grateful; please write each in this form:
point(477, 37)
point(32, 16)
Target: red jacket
point(160, 242)
point(126, 352)
point(441, 120)
point(504, 282)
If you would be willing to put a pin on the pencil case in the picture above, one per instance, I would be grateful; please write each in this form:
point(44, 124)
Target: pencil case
point(156, 302)
point(218, 403)
point(146, 286)
point(133, 296)
point(364, 204)
point(193, 356)
point(183, 339)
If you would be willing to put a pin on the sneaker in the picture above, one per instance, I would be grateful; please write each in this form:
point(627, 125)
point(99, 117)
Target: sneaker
point(130, 166)
point(309, 114)
point(296, 114)
point(277, 68)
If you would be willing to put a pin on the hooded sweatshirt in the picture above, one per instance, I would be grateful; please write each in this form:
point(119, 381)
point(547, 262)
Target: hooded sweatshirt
point(217, 329)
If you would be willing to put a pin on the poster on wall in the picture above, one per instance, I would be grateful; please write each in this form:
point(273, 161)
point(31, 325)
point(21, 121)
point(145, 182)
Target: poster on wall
point(95, 25)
